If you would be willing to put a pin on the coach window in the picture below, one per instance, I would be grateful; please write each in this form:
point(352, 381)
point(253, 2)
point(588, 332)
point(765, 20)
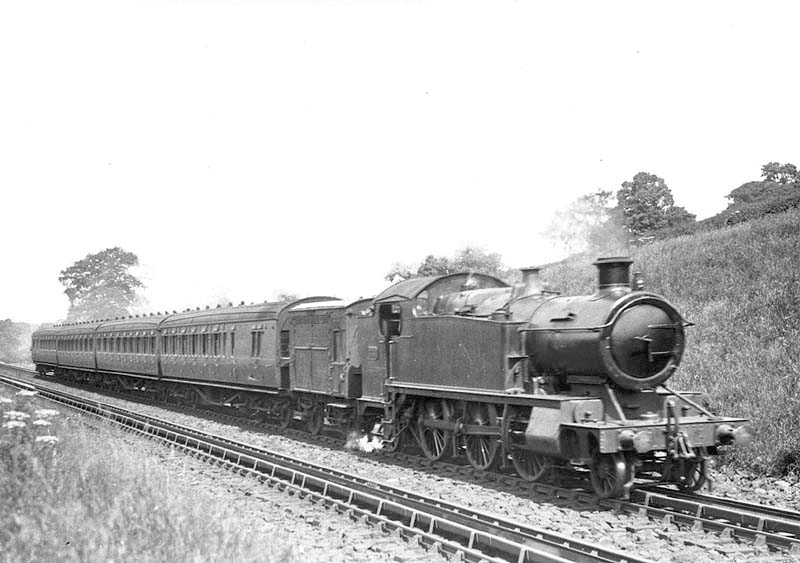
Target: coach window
point(256, 338)
point(224, 346)
point(233, 343)
point(337, 346)
point(285, 342)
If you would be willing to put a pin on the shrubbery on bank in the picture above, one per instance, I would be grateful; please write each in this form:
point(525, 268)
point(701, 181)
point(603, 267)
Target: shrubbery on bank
point(70, 493)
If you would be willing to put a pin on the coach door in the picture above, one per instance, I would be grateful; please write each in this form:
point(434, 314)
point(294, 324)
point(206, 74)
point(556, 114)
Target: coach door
point(311, 361)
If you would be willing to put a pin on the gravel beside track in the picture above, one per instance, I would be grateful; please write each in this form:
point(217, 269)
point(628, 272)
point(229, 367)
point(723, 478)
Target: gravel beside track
point(638, 535)
point(316, 534)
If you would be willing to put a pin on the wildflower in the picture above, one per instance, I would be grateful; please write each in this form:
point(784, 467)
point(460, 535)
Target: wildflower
point(16, 415)
point(47, 439)
point(40, 422)
point(45, 413)
point(14, 424)
point(26, 393)
point(5, 401)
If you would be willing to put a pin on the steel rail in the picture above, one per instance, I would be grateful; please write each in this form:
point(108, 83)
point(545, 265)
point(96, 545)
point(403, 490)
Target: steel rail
point(761, 519)
point(453, 529)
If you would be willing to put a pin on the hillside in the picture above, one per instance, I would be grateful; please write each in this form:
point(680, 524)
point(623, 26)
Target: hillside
point(741, 286)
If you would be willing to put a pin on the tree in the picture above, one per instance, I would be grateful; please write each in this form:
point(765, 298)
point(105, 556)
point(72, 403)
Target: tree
point(100, 286)
point(468, 259)
point(283, 295)
point(780, 173)
point(647, 205)
point(590, 223)
point(475, 259)
point(10, 340)
point(754, 191)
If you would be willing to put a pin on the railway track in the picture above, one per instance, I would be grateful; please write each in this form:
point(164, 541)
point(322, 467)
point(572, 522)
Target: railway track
point(464, 533)
point(734, 525)
point(763, 525)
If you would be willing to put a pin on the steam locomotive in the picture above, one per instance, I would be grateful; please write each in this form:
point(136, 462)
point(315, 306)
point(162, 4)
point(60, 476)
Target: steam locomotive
point(458, 365)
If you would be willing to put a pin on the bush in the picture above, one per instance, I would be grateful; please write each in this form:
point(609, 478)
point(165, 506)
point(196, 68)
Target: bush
point(779, 200)
point(70, 494)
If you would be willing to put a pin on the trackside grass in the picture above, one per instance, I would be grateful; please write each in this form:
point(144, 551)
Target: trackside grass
point(70, 493)
point(741, 286)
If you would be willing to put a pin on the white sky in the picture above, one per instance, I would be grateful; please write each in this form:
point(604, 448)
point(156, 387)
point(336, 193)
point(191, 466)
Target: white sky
point(241, 148)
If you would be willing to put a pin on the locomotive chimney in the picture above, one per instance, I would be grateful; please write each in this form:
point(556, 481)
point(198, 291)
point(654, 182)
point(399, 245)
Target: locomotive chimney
point(613, 273)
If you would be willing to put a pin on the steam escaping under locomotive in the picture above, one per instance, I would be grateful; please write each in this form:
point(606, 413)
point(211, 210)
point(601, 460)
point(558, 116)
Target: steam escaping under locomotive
point(458, 366)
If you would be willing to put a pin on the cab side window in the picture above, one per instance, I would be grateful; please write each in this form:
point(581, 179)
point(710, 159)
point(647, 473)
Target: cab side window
point(390, 319)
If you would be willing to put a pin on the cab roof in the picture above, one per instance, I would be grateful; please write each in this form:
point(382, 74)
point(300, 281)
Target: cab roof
point(447, 283)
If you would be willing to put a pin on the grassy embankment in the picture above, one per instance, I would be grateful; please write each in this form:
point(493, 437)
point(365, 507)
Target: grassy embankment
point(71, 493)
point(741, 285)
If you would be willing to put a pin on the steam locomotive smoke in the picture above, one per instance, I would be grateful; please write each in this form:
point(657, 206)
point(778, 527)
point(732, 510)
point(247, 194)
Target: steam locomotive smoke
point(364, 443)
